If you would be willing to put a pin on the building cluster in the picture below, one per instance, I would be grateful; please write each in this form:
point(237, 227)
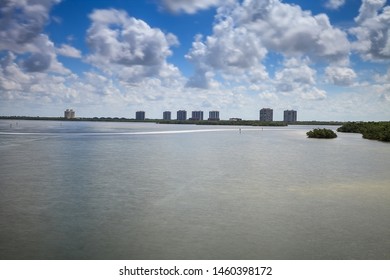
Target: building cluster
point(267, 115)
point(181, 115)
point(69, 114)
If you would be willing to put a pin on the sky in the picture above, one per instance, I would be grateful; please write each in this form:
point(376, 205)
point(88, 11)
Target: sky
point(327, 59)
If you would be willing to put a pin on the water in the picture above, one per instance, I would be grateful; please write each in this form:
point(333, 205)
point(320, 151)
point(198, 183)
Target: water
point(85, 190)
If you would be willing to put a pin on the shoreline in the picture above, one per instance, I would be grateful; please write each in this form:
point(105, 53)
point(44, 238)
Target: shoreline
point(188, 122)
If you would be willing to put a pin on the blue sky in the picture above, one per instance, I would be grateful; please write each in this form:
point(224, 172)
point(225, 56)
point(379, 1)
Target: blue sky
point(327, 59)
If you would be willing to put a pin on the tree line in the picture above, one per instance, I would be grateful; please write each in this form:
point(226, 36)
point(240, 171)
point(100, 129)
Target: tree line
point(370, 130)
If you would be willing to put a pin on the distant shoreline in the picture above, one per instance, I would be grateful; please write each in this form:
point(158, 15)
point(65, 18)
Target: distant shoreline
point(378, 130)
point(160, 121)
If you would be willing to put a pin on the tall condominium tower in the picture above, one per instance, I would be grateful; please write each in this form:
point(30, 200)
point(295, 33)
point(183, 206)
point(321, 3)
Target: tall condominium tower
point(140, 115)
point(69, 114)
point(266, 115)
point(290, 116)
point(214, 116)
point(197, 116)
point(181, 115)
point(167, 115)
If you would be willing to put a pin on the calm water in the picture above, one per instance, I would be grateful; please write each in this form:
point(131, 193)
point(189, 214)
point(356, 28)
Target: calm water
point(83, 190)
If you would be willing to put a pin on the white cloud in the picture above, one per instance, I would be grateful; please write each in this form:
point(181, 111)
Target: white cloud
point(203, 79)
point(298, 79)
point(233, 51)
point(372, 32)
point(21, 26)
point(295, 74)
point(341, 76)
point(129, 47)
point(382, 87)
point(369, 9)
point(26, 81)
point(69, 51)
point(313, 94)
point(189, 7)
point(35, 87)
point(384, 79)
point(245, 33)
point(334, 4)
point(289, 30)
point(21, 22)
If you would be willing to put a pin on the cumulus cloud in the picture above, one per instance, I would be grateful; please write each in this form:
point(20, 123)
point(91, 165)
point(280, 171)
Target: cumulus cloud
point(69, 51)
point(341, 76)
point(231, 51)
point(129, 47)
point(295, 74)
point(297, 78)
point(38, 87)
point(313, 94)
point(189, 7)
point(372, 32)
point(29, 68)
point(21, 26)
point(202, 79)
point(11, 77)
point(334, 4)
point(289, 30)
point(18, 79)
point(382, 86)
point(384, 79)
point(21, 22)
point(369, 9)
point(245, 33)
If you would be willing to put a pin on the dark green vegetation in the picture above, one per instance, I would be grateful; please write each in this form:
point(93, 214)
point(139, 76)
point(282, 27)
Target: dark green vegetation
point(317, 123)
point(370, 130)
point(321, 133)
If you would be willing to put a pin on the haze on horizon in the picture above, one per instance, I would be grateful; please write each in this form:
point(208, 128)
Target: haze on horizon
point(327, 59)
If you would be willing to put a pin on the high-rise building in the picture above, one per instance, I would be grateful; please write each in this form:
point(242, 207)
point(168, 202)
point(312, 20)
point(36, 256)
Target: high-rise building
point(197, 116)
point(181, 115)
point(140, 115)
point(214, 116)
point(69, 114)
point(290, 116)
point(167, 115)
point(266, 115)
